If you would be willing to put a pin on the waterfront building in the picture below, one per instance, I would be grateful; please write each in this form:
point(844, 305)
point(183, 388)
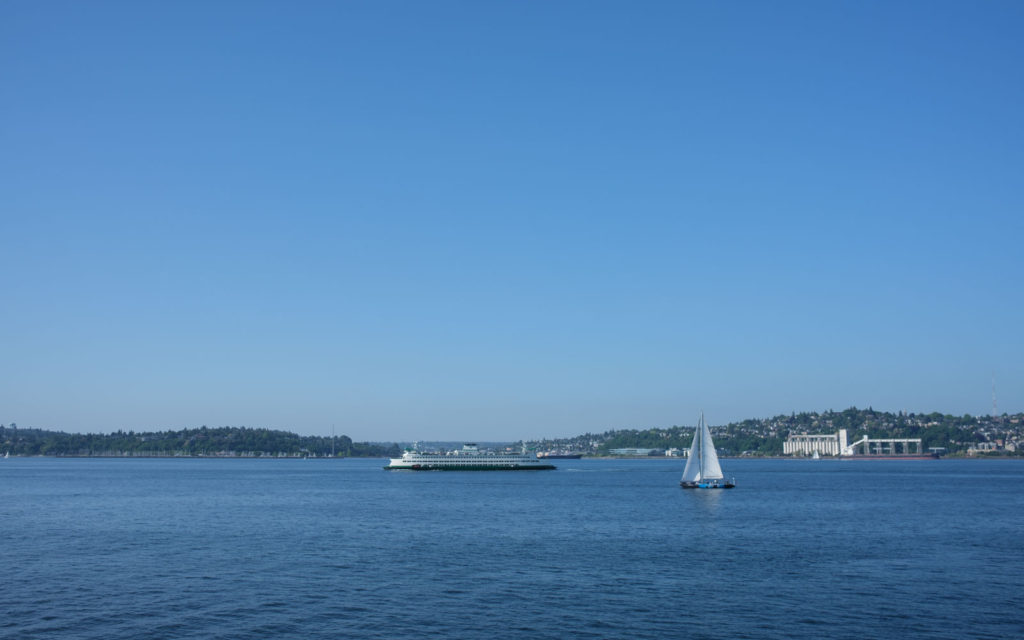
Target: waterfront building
point(837, 444)
point(804, 444)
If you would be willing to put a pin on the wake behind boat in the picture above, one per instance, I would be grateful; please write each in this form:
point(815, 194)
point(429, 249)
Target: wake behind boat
point(702, 470)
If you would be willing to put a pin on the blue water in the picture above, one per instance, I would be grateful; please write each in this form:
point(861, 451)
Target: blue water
point(102, 548)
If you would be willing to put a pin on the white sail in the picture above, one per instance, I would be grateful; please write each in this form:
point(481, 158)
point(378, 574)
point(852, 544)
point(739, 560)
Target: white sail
point(709, 469)
point(703, 461)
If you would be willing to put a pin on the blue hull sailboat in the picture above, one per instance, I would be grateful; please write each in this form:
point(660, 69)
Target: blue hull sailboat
point(702, 469)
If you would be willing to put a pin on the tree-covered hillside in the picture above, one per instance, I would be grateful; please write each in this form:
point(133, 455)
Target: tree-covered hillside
point(765, 436)
point(988, 435)
point(204, 441)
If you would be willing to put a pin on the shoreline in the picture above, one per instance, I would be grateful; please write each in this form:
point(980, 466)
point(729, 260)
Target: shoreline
point(585, 457)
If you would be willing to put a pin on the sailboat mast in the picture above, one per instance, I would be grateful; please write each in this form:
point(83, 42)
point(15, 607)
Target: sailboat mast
point(700, 459)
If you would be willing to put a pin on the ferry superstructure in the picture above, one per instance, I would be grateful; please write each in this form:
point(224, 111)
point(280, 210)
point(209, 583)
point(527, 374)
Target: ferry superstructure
point(469, 458)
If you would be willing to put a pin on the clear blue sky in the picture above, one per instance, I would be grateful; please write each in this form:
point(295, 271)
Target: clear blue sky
point(503, 220)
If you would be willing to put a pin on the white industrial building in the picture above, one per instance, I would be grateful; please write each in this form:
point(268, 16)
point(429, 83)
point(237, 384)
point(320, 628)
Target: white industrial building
point(837, 444)
point(803, 444)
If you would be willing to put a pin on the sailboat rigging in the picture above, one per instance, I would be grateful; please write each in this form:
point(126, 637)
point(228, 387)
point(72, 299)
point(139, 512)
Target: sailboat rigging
point(702, 470)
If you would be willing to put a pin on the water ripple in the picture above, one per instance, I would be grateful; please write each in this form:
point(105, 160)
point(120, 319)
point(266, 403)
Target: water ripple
point(601, 549)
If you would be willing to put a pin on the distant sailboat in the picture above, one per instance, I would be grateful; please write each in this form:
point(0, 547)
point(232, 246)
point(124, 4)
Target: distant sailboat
point(702, 469)
point(816, 456)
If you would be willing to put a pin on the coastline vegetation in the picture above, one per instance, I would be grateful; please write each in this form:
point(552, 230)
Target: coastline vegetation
point(958, 435)
point(981, 435)
point(201, 442)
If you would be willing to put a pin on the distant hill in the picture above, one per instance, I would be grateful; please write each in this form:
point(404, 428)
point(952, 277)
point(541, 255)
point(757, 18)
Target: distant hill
point(764, 436)
point(1003, 435)
point(204, 441)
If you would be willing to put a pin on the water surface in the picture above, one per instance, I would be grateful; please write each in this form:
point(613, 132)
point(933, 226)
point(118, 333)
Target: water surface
point(195, 548)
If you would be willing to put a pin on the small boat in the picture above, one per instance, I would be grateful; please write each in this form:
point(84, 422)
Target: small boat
point(702, 469)
point(816, 456)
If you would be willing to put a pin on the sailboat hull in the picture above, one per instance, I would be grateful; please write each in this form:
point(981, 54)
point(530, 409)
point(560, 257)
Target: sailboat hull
point(705, 485)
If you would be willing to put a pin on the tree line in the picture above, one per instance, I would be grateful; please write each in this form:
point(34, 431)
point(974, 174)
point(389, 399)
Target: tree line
point(758, 436)
point(766, 436)
point(203, 441)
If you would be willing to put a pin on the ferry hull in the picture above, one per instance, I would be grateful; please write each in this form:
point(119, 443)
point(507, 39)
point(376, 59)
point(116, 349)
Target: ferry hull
point(470, 458)
point(472, 467)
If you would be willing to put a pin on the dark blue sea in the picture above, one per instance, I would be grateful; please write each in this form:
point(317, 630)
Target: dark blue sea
point(196, 548)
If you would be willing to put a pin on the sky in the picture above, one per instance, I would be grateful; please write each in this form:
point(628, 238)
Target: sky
point(505, 220)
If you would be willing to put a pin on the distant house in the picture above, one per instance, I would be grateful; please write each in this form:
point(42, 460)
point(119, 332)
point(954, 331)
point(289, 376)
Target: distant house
point(982, 446)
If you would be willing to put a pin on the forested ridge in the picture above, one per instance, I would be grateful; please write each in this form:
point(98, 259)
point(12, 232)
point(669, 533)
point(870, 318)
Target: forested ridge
point(764, 436)
point(203, 441)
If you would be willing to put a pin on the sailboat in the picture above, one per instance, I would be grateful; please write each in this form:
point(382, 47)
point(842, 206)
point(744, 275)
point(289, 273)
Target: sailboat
point(702, 469)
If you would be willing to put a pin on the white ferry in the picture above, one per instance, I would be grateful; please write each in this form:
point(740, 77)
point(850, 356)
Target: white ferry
point(469, 458)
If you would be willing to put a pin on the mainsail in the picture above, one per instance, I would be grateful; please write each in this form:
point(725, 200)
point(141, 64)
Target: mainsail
point(703, 461)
